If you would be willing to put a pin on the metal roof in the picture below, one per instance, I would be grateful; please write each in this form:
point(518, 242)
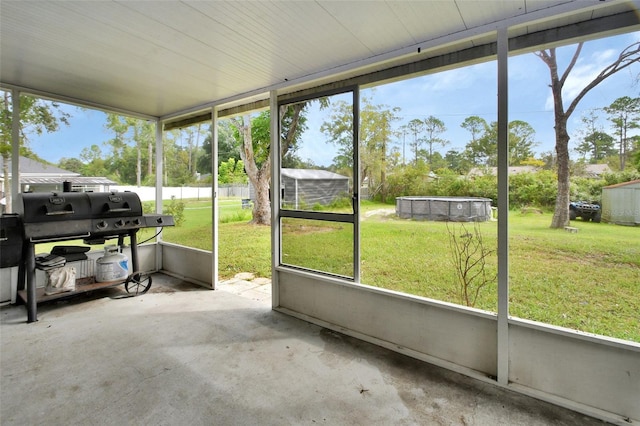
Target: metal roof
point(161, 59)
point(631, 183)
point(311, 174)
point(76, 180)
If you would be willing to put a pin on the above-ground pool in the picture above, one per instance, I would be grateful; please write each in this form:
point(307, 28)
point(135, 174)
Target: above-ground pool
point(452, 209)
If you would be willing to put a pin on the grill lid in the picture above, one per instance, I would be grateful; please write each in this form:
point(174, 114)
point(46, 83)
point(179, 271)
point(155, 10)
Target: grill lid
point(38, 207)
point(115, 204)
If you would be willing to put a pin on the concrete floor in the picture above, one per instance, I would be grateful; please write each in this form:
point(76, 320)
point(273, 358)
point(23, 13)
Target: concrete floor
point(181, 355)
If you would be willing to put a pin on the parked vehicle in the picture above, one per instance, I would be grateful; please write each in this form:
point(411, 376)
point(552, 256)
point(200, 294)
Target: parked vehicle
point(587, 211)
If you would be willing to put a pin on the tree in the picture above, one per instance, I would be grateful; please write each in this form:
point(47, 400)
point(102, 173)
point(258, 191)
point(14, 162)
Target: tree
point(255, 151)
point(232, 171)
point(416, 126)
point(483, 147)
point(434, 127)
point(94, 164)
point(375, 136)
point(624, 113)
point(71, 164)
point(228, 147)
point(457, 161)
point(339, 131)
point(636, 156)
point(192, 135)
point(402, 131)
point(598, 145)
point(36, 117)
point(595, 143)
point(476, 126)
point(627, 57)
point(521, 141)
point(139, 133)
point(376, 132)
point(175, 159)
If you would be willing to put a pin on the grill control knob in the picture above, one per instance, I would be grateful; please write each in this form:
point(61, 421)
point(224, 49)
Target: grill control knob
point(159, 221)
point(119, 223)
point(102, 224)
point(137, 222)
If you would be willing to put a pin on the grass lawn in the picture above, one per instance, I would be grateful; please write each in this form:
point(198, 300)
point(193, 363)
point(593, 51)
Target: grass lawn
point(588, 281)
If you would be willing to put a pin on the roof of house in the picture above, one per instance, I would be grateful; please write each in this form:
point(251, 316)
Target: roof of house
point(33, 168)
point(34, 172)
point(492, 171)
point(597, 170)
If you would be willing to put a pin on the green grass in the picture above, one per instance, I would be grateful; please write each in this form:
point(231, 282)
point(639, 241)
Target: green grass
point(588, 281)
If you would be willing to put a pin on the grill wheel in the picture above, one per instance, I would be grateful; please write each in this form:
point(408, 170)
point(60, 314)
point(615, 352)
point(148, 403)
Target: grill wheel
point(137, 284)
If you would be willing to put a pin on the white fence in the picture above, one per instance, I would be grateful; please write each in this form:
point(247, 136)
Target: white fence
point(147, 193)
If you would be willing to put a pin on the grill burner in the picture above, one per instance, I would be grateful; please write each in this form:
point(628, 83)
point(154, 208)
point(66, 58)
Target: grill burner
point(92, 216)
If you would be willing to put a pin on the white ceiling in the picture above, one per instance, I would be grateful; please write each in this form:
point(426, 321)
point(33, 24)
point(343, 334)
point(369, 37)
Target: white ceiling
point(161, 58)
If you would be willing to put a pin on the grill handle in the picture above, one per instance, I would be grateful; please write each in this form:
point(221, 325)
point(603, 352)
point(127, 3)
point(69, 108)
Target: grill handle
point(69, 237)
point(120, 210)
point(61, 212)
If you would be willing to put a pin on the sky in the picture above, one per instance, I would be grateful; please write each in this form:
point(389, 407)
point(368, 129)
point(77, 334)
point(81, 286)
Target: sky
point(450, 96)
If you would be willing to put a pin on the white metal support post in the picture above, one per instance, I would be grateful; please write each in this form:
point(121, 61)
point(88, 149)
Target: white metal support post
point(15, 151)
point(159, 169)
point(275, 196)
point(356, 184)
point(503, 209)
point(214, 197)
point(159, 166)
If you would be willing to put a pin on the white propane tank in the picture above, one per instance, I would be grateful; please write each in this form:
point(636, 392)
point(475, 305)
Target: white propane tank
point(112, 266)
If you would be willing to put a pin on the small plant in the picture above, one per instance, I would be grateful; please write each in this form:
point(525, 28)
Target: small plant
point(469, 258)
point(176, 209)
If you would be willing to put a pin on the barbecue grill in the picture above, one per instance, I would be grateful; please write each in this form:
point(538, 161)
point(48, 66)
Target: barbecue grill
point(92, 216)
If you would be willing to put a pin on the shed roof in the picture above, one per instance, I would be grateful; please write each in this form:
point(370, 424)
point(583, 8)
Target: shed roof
point(619, 185)
point(311, 174)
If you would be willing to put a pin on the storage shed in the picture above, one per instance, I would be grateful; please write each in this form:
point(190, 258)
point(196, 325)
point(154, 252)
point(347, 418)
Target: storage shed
point(307, 187)
point(621, 203)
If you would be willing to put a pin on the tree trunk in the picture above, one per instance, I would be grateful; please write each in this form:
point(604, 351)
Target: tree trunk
point(561, 212)
point(262, 206)
point(260, 177)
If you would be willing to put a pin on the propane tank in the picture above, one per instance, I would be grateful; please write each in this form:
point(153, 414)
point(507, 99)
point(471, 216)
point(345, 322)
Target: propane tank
point(112, 266)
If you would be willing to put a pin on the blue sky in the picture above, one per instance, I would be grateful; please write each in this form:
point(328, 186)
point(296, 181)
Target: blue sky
point(451, 96)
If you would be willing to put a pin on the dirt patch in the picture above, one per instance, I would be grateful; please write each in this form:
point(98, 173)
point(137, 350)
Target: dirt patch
point(382, 213)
